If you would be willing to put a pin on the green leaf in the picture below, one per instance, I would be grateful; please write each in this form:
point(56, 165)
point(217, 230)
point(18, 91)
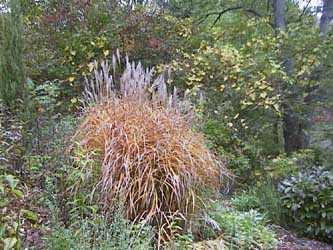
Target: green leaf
point(30, 215)
point(17, 193)
point(263, 95)
point(12, 181)
point(9, 243)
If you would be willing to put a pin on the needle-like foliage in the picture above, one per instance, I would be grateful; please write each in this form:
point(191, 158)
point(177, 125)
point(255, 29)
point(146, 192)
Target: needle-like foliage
point(151, 158)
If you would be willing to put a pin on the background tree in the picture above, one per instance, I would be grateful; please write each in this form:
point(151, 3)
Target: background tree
point(11, 54)
point(326, 17)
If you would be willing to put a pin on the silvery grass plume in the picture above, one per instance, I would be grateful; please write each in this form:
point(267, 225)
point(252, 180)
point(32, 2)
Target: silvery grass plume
point(135, 83)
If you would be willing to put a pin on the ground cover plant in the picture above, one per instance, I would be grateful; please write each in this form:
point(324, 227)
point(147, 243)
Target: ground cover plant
point(102, 235)
point(239, 229)
point(264, 198)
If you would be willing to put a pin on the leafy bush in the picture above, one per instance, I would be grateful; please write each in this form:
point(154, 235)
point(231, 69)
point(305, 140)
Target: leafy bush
point(307, 198)
point(246, 200)
point(264, 198)
point(235, 90)
point(283, 166)
point(244, 230)
point(184, 241)
point(150, 157)
point(243, 158)
point(14, 213)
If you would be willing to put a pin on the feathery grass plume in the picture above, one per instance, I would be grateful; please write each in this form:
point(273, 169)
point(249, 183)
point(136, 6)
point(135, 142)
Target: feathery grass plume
point(151, 158)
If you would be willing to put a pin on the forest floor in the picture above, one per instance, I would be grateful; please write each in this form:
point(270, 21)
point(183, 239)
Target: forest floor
point(288, 241)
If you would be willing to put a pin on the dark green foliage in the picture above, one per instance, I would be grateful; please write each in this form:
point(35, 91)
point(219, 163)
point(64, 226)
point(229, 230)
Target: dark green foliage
point(307, 198)
point(264, 198)
point(283, 166)
point(246, 200)
point(11, 53)
point(242, 157)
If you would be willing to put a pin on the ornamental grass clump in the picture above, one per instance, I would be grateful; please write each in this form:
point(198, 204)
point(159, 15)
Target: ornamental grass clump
point(151, 159)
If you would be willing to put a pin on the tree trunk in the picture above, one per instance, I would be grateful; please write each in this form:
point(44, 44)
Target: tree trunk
point(293, 127)
point(326, 17)
point(293, 131)
point(279, 7)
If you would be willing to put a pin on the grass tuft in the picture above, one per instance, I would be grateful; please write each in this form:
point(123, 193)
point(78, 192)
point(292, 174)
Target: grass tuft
point(151, 158)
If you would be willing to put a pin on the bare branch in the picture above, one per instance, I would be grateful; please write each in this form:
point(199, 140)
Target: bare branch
point(224, 11)
point(220, 13)
point(304, 10)
point(254, 12)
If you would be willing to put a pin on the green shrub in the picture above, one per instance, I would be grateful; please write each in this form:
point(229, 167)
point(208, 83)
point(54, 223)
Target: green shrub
point(243, 158)
point(10, 214)
point(264, 198)
point(245, 230)
point(246, 200)
point(184, 242)
point(308, 201)
point(284, 166)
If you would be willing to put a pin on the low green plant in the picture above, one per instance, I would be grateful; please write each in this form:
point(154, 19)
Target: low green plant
point(47, 161)
point(246, 200)
point(263, 197)
point(10, 236)
point(270, 201)
point(237, 229)
point(45, 96)
point(245, 230)
point(99, 234)
point(308, 201)
point(14, 216)
point(181, 241)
